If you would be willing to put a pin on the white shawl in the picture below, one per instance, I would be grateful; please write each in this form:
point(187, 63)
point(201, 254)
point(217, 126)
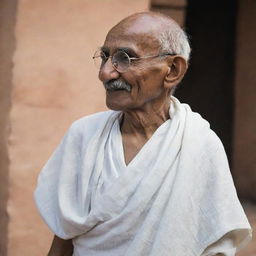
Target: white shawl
point(176, 197)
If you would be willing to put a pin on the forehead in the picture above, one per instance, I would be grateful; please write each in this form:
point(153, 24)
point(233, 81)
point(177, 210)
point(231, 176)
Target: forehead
point(140, 35)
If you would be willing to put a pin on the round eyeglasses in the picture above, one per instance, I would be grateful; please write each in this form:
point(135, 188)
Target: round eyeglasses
point(120, 60)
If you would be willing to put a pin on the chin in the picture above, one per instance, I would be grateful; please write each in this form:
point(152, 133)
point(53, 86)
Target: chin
point(115, 106)
point(118, 101)
point(119, 105)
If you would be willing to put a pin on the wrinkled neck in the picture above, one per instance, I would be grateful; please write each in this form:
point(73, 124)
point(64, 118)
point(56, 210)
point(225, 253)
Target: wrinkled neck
point(144, 122)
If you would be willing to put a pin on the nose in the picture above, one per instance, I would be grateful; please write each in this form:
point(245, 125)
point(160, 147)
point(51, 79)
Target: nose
point(107, 72)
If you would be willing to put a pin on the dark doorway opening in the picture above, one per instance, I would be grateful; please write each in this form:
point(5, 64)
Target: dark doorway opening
point(208, 87)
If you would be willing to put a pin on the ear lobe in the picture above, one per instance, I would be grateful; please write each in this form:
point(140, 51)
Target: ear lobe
point(176, 71)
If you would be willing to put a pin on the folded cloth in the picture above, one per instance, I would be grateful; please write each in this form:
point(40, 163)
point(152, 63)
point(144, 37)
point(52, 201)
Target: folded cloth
point(176, 197)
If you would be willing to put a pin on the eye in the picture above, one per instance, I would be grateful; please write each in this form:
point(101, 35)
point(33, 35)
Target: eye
point(130, 55)
point(123, 56)
point(104, 56)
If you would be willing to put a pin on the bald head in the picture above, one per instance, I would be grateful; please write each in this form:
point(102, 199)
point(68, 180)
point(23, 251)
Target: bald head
point(163, 30)
point(149, 21)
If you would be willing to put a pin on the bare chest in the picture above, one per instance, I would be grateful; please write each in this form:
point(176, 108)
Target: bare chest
point(132, 146)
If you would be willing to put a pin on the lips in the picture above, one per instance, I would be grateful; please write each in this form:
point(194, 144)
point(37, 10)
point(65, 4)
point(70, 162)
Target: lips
point(117, 85)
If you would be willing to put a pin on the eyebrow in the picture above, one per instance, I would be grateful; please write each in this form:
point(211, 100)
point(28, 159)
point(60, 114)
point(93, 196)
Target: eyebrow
point(127, 50)
point(104, 49)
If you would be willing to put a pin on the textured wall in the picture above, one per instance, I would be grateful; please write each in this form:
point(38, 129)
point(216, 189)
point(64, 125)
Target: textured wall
point(55, 83)
point(245, 97)
point(7, 23)
point(174, 8)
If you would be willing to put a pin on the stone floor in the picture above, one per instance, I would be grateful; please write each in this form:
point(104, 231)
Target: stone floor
point(250, 249)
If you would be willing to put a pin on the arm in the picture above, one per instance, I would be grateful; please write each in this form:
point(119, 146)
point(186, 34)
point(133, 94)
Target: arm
point(61, 247)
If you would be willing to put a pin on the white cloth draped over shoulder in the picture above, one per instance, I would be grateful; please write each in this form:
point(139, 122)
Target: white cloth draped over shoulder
point(176, 197)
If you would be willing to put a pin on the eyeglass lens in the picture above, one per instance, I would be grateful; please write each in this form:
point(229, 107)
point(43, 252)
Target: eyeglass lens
point(99, 58)
point(120, 60)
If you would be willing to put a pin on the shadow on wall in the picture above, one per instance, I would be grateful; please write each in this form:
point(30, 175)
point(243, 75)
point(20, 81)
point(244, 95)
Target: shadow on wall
point(7, 45)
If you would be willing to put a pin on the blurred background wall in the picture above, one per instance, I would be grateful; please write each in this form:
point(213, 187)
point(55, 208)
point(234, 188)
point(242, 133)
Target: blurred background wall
point(7, 46)
point(48, 80)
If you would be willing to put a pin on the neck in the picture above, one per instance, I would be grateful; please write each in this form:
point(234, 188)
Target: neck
point(144, 122)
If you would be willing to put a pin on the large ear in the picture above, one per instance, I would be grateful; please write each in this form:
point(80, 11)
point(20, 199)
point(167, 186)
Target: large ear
point(177, 67)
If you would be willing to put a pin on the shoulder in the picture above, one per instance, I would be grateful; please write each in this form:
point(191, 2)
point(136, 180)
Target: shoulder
point(199, 138)
point(91, 123)
point(198, 127)
point(93, 118)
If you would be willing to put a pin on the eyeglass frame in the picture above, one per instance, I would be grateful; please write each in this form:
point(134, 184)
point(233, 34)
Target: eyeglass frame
point(129, 58)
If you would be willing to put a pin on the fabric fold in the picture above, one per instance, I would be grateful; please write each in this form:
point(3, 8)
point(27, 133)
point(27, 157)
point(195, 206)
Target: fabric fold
point(176, 197)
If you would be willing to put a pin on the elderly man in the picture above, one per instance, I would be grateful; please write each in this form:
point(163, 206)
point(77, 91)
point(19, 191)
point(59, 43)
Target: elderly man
point(148, 177)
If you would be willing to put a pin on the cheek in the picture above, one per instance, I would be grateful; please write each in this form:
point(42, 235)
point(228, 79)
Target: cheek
point(145, 79)
point(153, 78)
point(151, 70)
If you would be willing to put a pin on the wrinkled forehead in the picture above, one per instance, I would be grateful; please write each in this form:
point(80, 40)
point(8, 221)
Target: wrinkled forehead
point(141, 34)
point(139, 43)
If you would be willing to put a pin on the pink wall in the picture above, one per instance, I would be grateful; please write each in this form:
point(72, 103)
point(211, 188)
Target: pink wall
point(55, 82)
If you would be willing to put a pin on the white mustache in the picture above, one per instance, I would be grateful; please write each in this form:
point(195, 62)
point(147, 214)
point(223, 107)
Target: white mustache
point(113, 85)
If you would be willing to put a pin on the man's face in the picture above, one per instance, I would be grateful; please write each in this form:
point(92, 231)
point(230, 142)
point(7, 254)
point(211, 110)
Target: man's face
point(144, 79)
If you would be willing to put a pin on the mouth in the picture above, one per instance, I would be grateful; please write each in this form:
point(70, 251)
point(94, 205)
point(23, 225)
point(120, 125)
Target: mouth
point(117, 85)
point(116, 90)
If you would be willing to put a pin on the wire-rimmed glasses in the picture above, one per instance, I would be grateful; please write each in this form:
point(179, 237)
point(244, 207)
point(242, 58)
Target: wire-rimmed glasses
point(120, 60)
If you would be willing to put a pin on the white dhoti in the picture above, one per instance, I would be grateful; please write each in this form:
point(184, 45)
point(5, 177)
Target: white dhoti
point(176, 197)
